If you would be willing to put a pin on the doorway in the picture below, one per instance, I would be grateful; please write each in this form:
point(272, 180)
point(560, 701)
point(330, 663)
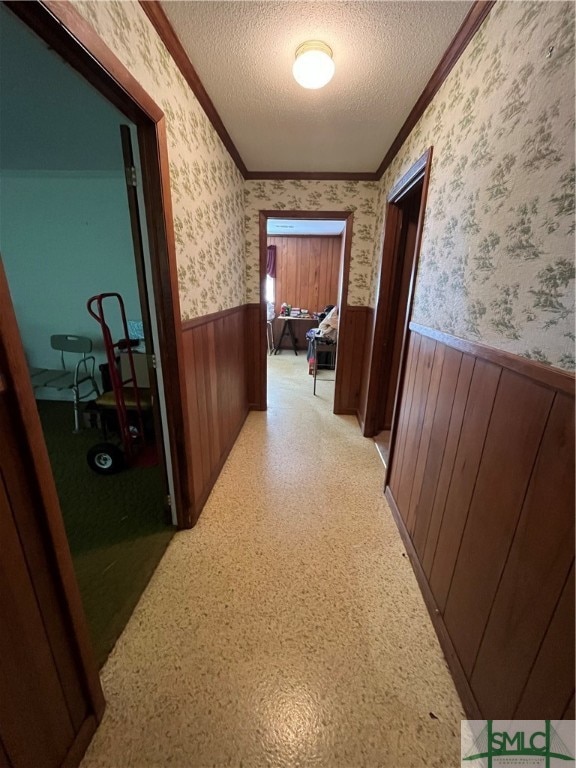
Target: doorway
point(313, 253)
point(68, 234)
point(62, 734)
point(403, 233)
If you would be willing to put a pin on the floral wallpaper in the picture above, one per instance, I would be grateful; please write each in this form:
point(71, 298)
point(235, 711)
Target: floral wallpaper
point(207, 188)
point(357, 196)
point(497, 257)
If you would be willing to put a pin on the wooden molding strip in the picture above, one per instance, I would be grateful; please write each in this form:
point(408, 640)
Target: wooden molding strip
point(54, 21)
point(196, 322)
point(555, 378)
point(470, 25)
point(458, 675)
point(336, 215)
point(161, 24)
point(468, 29)
point(311, 175)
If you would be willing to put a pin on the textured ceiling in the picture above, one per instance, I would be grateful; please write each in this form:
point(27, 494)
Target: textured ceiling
point(385, 53)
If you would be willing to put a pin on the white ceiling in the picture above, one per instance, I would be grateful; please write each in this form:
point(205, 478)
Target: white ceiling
point(279, 227)
point(384, 51)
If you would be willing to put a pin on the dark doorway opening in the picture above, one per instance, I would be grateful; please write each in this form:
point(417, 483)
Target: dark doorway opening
point(68, 709)
point(403, 234)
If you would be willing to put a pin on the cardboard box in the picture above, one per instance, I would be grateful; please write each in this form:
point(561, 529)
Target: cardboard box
point(142, 364)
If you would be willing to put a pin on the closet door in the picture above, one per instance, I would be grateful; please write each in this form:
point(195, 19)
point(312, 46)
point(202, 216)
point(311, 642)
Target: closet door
point(50, 696)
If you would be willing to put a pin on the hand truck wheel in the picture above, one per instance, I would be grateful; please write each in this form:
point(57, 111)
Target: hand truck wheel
point(105, 459)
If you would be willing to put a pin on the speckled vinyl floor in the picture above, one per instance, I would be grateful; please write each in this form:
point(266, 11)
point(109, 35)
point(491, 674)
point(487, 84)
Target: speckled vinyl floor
point(287, 628)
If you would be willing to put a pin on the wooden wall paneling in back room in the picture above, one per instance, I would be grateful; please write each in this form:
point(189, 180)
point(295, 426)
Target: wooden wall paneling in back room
point(307, 270)
point(482, 477)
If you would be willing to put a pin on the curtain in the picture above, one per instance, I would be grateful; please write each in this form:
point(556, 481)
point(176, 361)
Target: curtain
point(271, 261)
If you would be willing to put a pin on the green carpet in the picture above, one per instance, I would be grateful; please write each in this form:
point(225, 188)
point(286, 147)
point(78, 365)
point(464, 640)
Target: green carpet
point(117, 525)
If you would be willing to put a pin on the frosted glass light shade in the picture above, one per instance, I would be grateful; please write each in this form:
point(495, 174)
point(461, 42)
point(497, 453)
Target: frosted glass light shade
point(314, 66)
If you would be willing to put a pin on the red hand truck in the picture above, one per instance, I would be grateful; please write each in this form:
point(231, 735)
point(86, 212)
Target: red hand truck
point(126, 398)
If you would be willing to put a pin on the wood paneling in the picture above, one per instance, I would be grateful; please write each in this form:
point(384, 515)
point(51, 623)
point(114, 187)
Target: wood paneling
point(526, 598)
point(217, 387)
point(350, 357)
point(255, 339)
point(482, 483)
point(29, 686)
point(551, 680)
point(307, 271)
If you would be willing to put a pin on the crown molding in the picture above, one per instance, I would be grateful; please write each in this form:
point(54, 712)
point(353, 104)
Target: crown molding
point(468, 29)
point(311, 175)
point(161, 24)
point(466, 32)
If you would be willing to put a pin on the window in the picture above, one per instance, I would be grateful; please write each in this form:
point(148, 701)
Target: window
point(270, 288)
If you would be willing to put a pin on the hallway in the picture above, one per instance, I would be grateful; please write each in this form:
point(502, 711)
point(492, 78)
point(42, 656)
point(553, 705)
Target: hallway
point(287, 628)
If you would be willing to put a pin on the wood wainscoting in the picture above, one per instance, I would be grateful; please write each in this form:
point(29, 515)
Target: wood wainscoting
point(481, 483)
point(215, 371)
point(351, 353)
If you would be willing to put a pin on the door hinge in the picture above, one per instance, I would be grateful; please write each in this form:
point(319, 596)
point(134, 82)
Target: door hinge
point(131, 179)
point(154, 364)
point(169, 501)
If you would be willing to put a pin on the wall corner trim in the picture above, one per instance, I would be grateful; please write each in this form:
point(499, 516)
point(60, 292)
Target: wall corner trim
point(468, 29)
point(478, 12)
point(165, 30)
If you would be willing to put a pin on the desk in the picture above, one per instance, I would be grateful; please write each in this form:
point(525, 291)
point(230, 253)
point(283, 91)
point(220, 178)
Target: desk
point(295, 335)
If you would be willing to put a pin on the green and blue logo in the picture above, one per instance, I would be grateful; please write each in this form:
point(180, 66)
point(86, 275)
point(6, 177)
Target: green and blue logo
point(520, 743)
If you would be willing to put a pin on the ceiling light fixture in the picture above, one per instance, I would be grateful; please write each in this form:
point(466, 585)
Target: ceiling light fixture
point(314, 66)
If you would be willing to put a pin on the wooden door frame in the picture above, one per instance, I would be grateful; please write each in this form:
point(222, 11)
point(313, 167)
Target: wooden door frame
point(383, 320)
point(59, 24)
point(344, 339)
point(15, 382)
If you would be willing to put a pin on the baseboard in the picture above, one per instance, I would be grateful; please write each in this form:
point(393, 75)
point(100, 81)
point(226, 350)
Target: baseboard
point(345, 412)
point(460, 681)
point(360, 420)
point(81, 742)
point(207, 490)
